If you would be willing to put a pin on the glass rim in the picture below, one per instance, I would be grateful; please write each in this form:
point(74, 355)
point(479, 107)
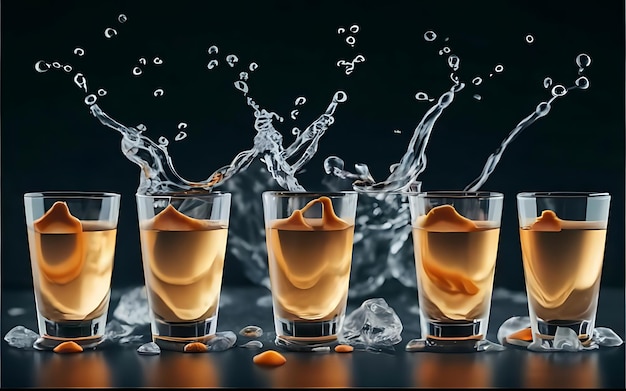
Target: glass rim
point(211, 194)
point(72, 194)
point(287, 193)
point(563, 194)
point(460, 194)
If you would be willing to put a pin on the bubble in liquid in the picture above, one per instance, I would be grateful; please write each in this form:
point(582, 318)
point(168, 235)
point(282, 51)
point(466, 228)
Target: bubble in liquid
point(56, 65)
point(294, 114)
point(341, 30)
point(300, 101)
point(241, 86)
point(454, 62)
point(559, 90)
point(180, 136)
point(582, 83)
point(80, 81)
point(350, 40)
point(477, 81)
point(212, 64)
point(477, 97)
point(157, 61)
point(143, 61)
point(79, 51)
point(122, 18)
point(421, 96)
point(67, 68)
point(243, 75)
point(137, 71)
point(530, 38)
point(110, 32)
point(213, 50)
point(158, 92)
point(41, 66)
point(231, 59)
point(102, 92)
point(354, 29)
point(91, 99)
point(141, 127)
point(547, 82)
point(430, 36)
point(253, 66)
point(499, 68)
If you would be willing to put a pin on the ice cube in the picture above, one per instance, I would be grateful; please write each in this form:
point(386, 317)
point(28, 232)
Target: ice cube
point(132, 308)
point(149, 349)
point(223, 340)
point(21, 337)
point(372, 326)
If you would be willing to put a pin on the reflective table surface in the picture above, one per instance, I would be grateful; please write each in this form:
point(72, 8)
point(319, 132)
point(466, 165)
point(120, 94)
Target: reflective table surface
point(119, 365)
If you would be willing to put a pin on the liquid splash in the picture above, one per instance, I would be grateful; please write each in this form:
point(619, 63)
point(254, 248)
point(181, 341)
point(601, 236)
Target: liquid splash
point(158, 174)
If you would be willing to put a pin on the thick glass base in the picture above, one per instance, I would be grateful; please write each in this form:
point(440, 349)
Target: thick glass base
point(86, 333)
point(306, 335)
point(174, 336)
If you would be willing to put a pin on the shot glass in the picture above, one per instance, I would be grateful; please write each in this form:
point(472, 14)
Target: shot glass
point(309, 239)
point(562, 236)
point(71, 239)
point(183, 245)
point(455, 237)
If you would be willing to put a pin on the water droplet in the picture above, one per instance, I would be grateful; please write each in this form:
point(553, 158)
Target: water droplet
point(294, 114)
point(341, 30)
point(300, 101)
point(354, 29)
point(530, 38)
point(212, 64)
point(477, 80)
point(397, 131)
point(122, 18)
point(421, 96)
point(231, 59)
point(340, 97)
point(67, 68)
point(430, 36)
point(547, 82)
point(182, 125)
point(559, 90)
point(41, 66)
point(141, 127)
point(79, 51)
point(102, 92)
point(157, 61)
point(159, 92)
point(180, 136)
point(163, 141)
point(110, 32)
point(446, 50)
point(295, 131)
point(56, 65)
point(582, 83)
point(454, 62)
point(350, 40)
point(241, 86)
point(143, 61)
point(491, 75)
point(252, 345)
point(243, 75)
point(477, 97)
point(80, 81)
point(454, 78)
point(137, 71)
point(499, 68)
point(359, 58)
point(583, 60)
point(213, 50)
point(542, 109)
point(90, 99)
point(253, 66)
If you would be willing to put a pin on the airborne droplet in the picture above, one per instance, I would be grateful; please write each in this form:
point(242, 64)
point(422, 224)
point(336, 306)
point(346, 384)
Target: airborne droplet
point(354, 29)
point(122, 18)
point(477, 81)
point(350, 40)
point(56, 65)
point(530, 38)
point(137, 71)
point(182, 125)
point(253, 66)
point(163, 141)
point(67, 68)
point(446, 50)
point(80, 81)
point(341, 30)
point(547, 82)
point(243, 75)
point(212, 64)
point(542, 109)
point(559, 90)
point(583, 61)
point(91, 99)
point(41, 66)
point(157, 61)
point(241, 86)
point(158, 92)
point(397, 131)
point(180, 136)
point(582, 83)
point(213, 50)
point(477, 97)
point(142, 61)
point(300, 101)
point(231, 59)
point(499, 68)
point(79, 51)
point(453, 62)
point(110, 32)
point(340, 97)
point(430, 36)
point(102, 92)
point(421, 96)
point(141, 127)
point(294, 114)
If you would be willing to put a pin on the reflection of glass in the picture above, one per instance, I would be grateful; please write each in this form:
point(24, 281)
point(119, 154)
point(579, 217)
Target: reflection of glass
point(561, 370)
point(309, 238)
point(314, 371)
point(71, 237)
point(181, 371)
point(452, 371)
point(455, 237)
point(183, 244)
point(85, 370)
point(562, 237)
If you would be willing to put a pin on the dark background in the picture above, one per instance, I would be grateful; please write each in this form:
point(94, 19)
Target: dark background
point(50, 141)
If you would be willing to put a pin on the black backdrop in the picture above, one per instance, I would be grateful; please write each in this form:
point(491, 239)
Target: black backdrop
point(50, 141)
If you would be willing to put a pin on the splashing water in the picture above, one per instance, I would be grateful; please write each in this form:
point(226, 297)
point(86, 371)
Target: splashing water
point(158, 174)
